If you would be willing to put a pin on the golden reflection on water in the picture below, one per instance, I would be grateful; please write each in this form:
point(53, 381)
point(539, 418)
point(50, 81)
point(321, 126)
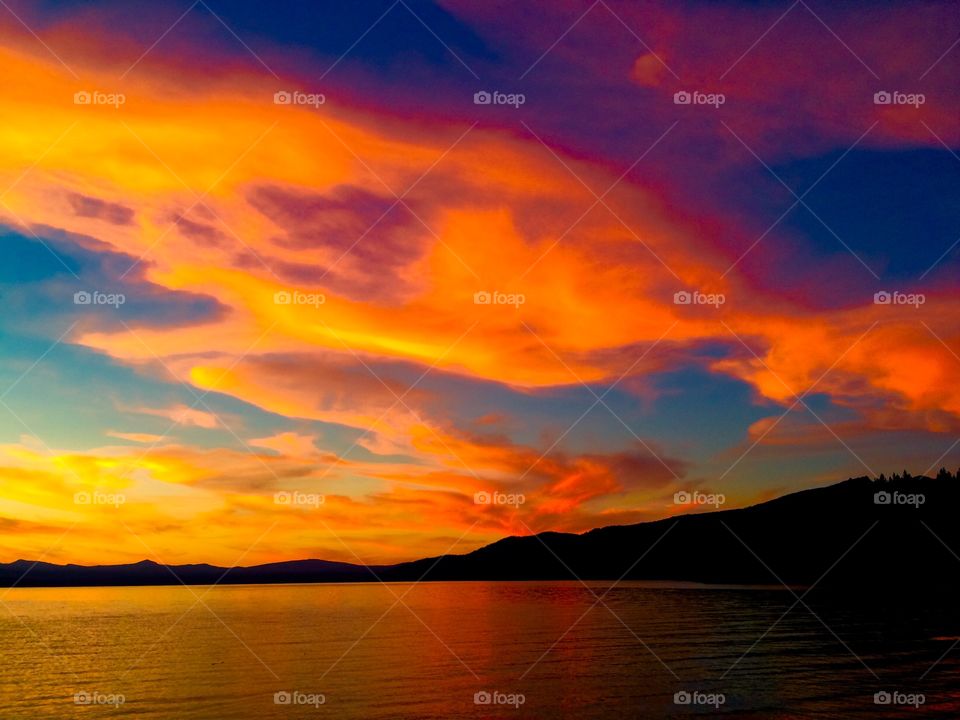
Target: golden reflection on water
point(425, 651)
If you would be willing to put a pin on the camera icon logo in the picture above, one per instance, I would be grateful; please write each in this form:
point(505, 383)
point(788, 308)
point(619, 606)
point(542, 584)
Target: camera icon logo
point(282, 698)
point(282, 497)
point(682, 497)
point(482, 97)
point(882, 98)
point(82, 297)
point(682, 698)
point(682, 98)
point(482, 498)
point(882, 298)
point(82, 97)
point(282, 97)
point(82, 698)
point(82, 498)
point(882, 698)
point(882, 498)
point(282, 297)
point(482, 297)
point(482, 697)
point(682, 297)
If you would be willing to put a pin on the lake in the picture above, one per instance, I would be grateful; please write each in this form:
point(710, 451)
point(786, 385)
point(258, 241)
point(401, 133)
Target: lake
point(471, 650)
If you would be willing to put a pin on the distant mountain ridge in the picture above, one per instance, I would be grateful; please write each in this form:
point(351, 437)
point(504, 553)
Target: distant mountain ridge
point(860, 532)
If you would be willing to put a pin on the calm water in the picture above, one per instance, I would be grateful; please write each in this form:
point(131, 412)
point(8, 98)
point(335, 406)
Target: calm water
point(366, 656)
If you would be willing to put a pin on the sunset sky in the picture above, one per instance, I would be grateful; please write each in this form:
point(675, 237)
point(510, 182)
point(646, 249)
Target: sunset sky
point(184, 189)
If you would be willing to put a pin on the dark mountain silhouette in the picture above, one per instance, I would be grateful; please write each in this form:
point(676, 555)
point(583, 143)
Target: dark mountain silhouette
point(841, 535)
point(796, 538)
point(148, 572)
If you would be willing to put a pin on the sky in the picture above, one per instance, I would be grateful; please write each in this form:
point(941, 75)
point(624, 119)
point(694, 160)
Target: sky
point(378, 281)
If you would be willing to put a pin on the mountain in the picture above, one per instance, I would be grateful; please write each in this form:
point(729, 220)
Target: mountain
point(795, 539)
point(148, 572)
point(859, 533)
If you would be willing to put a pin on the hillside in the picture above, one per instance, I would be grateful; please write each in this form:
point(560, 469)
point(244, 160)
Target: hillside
point(796, 538)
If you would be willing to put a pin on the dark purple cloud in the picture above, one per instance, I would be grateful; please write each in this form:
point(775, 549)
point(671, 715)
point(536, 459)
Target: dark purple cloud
point(90, 207)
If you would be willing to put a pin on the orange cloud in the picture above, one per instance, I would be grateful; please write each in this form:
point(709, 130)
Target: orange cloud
point(236, 199)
